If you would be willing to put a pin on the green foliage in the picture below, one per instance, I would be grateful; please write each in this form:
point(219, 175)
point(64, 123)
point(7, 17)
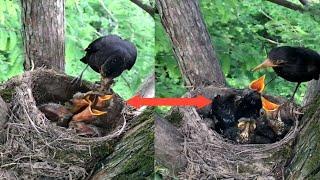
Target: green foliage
point(169, 82)
point(11, 52)
point(243, 31)
point(85, 21)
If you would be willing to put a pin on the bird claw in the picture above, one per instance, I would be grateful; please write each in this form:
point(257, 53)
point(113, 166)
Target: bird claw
point(76, 82)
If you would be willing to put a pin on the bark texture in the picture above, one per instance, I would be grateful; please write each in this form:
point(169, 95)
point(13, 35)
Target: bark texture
point(305, 161)
point(185, 26)
point(133, 156)
point(3, 113)
point(168, 146)
point(312, 91)
point(288, 4)
point(43, 33)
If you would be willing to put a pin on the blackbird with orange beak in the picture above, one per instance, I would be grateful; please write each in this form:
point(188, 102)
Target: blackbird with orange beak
point(294, 64)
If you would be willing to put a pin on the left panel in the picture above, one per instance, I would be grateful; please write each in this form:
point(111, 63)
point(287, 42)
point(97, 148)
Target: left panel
point(73, 122)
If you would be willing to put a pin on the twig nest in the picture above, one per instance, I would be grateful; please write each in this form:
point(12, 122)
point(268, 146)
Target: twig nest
point(43, 145)
point(212, 156)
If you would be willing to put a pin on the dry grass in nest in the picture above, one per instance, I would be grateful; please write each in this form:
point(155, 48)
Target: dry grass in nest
point(210, 156)
point(33, 146)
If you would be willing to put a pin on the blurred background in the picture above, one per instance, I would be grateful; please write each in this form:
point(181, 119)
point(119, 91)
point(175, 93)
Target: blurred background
point(84, 22)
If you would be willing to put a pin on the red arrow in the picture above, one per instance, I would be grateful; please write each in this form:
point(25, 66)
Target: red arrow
point(199, 101)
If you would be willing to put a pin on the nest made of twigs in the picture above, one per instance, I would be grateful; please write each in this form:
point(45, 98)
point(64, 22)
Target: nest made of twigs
point(34, 146)
point(210, 156)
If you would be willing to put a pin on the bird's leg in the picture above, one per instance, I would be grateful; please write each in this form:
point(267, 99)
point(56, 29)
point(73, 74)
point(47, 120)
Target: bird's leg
point(291, 99)
point(77, 80)
point(106, 84)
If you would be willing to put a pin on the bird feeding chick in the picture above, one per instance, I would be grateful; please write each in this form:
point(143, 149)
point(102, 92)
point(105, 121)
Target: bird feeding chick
point(109, 55)
point(294, 64)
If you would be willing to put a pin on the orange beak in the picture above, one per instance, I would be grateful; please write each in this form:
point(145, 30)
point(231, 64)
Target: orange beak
point(258, 84)
point(87, 114)
point(268, 105)
point(79, 104)
point(101, 102)
point(265, 64)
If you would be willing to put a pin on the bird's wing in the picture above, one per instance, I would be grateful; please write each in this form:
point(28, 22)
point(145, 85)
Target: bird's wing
point(114, 64)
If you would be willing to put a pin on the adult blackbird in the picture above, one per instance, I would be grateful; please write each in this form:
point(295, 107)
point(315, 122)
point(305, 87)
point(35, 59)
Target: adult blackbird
point(294, 64)
point(109, 55)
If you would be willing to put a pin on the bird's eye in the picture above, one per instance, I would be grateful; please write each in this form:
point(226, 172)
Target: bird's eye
point(262, 112)
point(279, 61)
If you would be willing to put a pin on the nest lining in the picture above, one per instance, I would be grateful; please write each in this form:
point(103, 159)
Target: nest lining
point(34, 146)
point(210, 156)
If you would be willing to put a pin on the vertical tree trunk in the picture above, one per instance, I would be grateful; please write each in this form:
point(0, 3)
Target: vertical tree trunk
point(43, 32)
point(192, 45)
point(305, 161)
point(313, 90)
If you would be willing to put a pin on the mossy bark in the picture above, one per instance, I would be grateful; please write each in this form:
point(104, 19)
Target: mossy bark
point(305, 161)
point(133, 156)
point(192, 46)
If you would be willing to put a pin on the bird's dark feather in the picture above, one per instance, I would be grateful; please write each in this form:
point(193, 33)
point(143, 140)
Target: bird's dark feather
point(111, 54)
point(299, 64)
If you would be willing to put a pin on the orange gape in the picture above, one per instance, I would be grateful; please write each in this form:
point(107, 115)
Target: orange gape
point(88, 114)
point(101, 101)
point(78, 104)
point(268, 105)
point(90, 111)
point(258, 84)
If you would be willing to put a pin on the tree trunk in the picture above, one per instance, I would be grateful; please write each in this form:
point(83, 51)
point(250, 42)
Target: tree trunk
point(305, 161)
point(3, 113)
point(167, 135)
point(43, 32)
point(133, 156)
point(313, 89)
point(192, 45)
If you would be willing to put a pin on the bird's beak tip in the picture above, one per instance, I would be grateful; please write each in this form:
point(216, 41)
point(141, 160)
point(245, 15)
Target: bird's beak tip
point(265, 64)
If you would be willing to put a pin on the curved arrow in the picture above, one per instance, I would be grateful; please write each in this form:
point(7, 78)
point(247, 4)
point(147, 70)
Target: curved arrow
point(199, 101)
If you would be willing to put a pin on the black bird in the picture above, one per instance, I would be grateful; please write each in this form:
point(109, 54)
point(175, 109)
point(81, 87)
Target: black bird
point(109, 55)
point(229, 111)
point(294, 64)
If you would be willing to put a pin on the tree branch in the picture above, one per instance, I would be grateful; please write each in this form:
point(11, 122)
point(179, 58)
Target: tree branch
point(288, 4)
point(150, 10)
point(304, 2)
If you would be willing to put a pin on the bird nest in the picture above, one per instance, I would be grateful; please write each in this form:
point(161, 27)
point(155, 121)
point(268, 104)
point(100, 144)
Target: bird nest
point(211, 156)
point(34, 146)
